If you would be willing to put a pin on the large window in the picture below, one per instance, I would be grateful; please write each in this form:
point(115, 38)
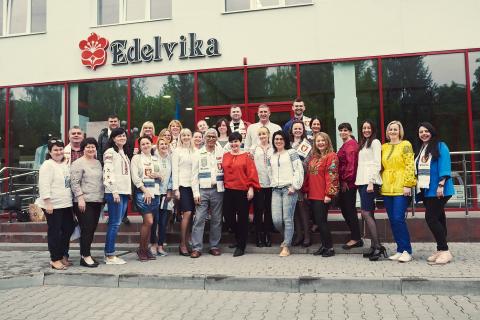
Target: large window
point(2, 126)
point(221, 88)
point(123, 11)
point(22, 16)
point(428, 88)
point(92, 102)
point(161, 99)
point(366, 84)
point(474, 61)
point(36, 114)
point(242, 5)
point(317, 90)
point(272, 84)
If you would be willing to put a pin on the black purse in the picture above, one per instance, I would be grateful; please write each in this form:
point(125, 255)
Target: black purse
point(11, 202)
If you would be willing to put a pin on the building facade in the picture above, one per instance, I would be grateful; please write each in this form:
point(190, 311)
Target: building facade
point(65, 63)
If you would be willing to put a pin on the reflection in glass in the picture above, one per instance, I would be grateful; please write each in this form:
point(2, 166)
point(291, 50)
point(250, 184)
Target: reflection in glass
point(2, 126)
point(108, 11)
point(428, 88)
point(366, 82)
point(317, 90)
point(161, 99)
point(272, 84)
point(18, 16)
point(92, 102)
point(36, 113)
point(160, 9)
point(474, 67)
point(39, 15)
point(220, 88)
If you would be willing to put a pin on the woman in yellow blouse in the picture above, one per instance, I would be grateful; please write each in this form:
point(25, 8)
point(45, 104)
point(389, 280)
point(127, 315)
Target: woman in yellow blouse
point(398, 178)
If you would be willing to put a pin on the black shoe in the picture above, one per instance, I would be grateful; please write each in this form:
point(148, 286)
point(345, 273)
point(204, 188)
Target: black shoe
point(233, 245)
point(268, 240)
point(357, 244)
point(320, 251)
point(238, 252)
point(259, 240)
point(369, 253)
point(306, 244)
point(182, 253)
point(83, 263)
point(297, 241)
point(328, 253)
point(381, 251)
point(126, 221)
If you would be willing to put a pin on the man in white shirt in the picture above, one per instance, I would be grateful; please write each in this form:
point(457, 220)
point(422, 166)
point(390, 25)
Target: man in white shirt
point(202, 126)
point(264, 121)
point(237, 124)
point(207, 187)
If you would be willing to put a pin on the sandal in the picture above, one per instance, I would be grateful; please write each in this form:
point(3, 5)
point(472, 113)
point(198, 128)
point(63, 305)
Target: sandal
point(63, 267)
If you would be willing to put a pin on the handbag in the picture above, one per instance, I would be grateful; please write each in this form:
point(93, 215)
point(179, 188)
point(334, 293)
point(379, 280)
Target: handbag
point(36, 213)
point(11, 202)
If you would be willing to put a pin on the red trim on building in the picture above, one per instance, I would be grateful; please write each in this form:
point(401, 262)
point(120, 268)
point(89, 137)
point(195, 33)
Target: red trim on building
point(380, 97)
point(7, 128)
point(470, 127)
point(195, 96)
point(129, 103)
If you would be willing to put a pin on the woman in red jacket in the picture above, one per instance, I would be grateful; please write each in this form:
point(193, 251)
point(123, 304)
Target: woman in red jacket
point(321, 186)
point(241, 178)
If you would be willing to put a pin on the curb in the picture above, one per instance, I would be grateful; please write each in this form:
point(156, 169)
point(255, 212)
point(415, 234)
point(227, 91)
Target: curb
point(437, 286)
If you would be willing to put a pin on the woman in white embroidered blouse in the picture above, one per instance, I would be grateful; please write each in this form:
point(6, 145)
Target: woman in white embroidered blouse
point(182, 185)
point(369, 181)
point(262, 201)
point(145, 176)
point(118, 189)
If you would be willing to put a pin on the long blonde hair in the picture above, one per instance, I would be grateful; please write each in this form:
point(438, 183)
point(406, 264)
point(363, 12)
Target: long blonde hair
point(329, 148)
point(162, 135)
point(180, 143)
point(147, 123)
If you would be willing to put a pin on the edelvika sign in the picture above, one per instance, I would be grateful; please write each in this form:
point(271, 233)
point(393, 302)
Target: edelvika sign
point(94, 50)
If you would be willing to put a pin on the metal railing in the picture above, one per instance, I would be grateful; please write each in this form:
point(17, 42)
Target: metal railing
point(19, 181)
point(466, 180)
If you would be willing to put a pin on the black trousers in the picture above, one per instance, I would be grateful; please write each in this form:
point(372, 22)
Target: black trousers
point(60, 228)
point(347, 201)
point(262, 205)
point(88, 222)
point(436, 220)
point(320, 214)
point(235, 212)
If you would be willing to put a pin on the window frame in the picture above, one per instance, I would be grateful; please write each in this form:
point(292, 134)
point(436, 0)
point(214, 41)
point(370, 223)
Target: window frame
point(254, 6)
point(122, 14)
point(6, 11)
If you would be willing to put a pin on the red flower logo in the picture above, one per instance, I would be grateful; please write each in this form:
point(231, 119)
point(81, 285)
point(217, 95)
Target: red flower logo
point(94, 52)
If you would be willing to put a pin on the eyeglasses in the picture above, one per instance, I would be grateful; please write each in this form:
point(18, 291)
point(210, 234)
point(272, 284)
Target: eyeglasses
point(55, 141)
point(210, 137)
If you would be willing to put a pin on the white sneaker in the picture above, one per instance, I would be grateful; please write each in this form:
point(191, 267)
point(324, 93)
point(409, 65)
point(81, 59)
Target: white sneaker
point(434, 256)
point(395, 256)
point(444, 257)
point(405, 257)
point(114, 260)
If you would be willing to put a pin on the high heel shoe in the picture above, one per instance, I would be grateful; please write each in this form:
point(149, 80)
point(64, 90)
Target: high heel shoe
point(369, 253)
point(380, 251)
point(84, 263)
point(267, 240)
point(357, 244)
point(297, 241)
point(180, 252)
point(259, 240)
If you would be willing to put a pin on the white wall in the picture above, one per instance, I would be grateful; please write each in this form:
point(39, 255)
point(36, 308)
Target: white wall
point(327, 29)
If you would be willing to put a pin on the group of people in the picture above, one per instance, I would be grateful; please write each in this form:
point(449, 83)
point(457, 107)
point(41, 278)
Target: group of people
point(291, 174)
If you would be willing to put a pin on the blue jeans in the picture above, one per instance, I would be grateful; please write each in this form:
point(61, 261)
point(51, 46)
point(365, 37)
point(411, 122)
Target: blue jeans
point(396, 207)
point(159, 224)
point(283, 208)
point(115, 216)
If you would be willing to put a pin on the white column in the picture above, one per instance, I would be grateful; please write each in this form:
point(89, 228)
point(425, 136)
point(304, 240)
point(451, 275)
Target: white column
point(345, 102)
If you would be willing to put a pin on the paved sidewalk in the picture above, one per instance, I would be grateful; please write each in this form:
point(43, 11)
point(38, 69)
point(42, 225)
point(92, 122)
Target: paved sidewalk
point(259, 272)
